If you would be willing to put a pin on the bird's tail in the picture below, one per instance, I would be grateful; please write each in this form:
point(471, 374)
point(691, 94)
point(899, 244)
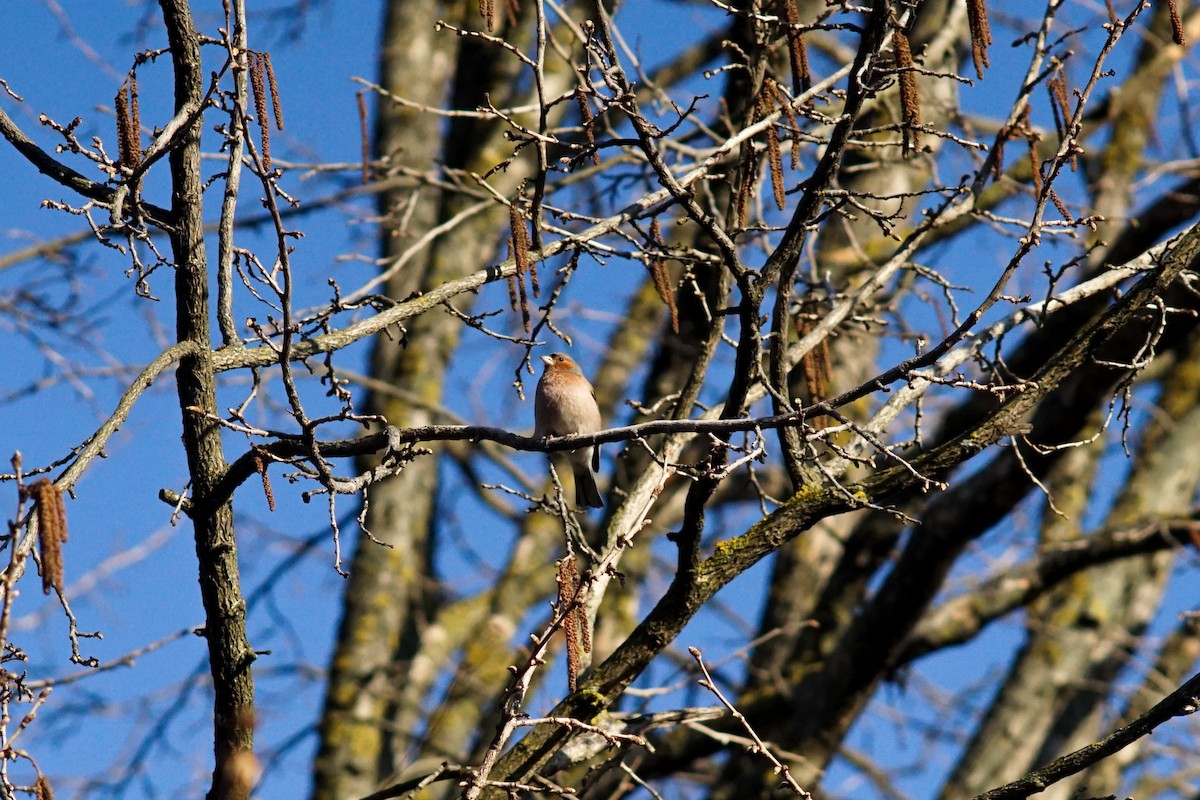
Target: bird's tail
point(586, 493)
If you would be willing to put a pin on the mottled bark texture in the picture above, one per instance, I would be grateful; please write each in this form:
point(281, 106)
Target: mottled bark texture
point(229, 651)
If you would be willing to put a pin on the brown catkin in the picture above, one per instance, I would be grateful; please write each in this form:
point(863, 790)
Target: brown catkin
point(258, 85)
point(524, 296)
point(520, 237)
point(568, 584)
point(260, 465)
point(1060, 102)
point(135, 117)
point(797, 50)
point(998, 160)
point(52, 531)
point(42, 790)
point(1176, 24)
point(585, 632)
point(520, 250)
point(512, 281)
point(1060, 205)
point(276, 108)
point(1025, 128)
point(585, 115)
point(774, 159)
point(128, 151)
point(793, 129)
point(512, 290)
point(981, 34)
point(365, 138)
point(741, 203)
point(661, 275)
point(910, 101)
point(121, 107)
point(749, 171)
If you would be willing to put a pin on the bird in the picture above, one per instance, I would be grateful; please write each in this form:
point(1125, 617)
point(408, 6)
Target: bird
point(565, 404)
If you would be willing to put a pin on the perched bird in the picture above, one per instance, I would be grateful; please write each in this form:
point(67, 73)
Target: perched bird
point(565, 404)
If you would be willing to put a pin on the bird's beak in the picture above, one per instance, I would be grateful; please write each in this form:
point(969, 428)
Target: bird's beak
point(547, 360)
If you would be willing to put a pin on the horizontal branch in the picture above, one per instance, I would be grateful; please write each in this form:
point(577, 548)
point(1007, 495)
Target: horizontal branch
point(1181, 702)
point(393, 439)
point(61, 173)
